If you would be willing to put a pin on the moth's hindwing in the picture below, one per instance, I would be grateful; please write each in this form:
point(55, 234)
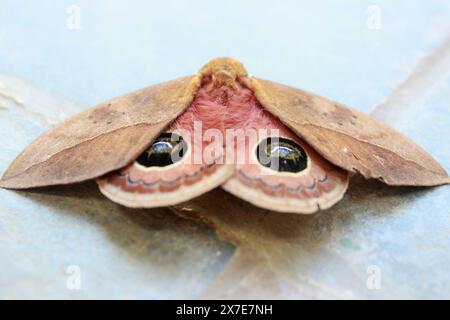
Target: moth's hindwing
point(172, 170)
point(281, 172)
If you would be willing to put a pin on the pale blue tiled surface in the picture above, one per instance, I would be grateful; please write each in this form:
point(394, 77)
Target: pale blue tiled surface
point(410, 237)
point(321, 46)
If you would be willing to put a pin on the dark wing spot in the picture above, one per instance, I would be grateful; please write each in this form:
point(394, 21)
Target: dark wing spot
point(167, 149)
point(282, 155)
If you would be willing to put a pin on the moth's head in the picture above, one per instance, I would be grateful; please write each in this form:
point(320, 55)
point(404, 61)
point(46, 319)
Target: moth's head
point(223, 71)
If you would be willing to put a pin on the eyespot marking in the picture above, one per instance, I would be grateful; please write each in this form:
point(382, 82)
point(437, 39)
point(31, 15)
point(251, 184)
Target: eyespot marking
point(166, 150)
point(282, 155)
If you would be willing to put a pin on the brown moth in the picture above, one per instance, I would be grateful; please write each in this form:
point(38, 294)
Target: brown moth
point(289, 150)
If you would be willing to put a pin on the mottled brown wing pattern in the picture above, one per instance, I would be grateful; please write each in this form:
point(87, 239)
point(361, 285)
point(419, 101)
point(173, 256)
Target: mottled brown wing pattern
point(349, 138)
point(101, 139)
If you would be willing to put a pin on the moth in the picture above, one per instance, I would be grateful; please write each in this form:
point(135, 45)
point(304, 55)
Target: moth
point(278, 147)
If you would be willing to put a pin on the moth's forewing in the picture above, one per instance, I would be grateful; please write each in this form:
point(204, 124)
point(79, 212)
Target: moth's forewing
point(101, 139)
point(349, 138)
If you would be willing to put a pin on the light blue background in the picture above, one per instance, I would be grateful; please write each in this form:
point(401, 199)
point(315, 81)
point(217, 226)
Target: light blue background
point(321, 46)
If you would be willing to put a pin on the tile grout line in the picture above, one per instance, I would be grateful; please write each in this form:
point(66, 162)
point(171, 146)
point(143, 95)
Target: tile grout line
point(424, 78)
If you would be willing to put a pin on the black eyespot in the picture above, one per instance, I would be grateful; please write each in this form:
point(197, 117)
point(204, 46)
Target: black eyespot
point(167, 149)
point(282, 155)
